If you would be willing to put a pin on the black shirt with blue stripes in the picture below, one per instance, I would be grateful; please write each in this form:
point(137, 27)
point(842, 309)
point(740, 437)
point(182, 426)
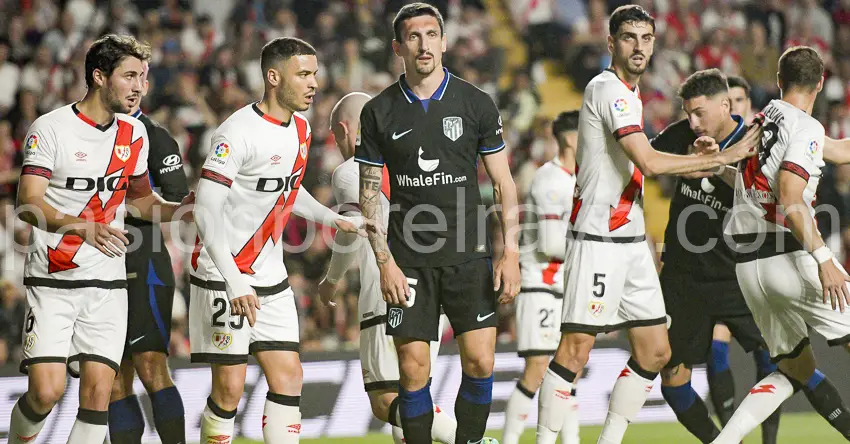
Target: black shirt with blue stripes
point(430, 149)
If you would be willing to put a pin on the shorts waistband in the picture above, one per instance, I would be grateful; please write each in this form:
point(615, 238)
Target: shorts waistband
point(526, 290)
point(74, 283)
point(579, 235)
point(772, 244)
point(220, 286)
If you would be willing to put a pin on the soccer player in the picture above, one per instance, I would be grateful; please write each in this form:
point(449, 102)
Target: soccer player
point(150, 291)
point(538, 307)
point(83, 163)
point(786, 273)
point(610, 277)
point(429, 129)
point(249, 186)
point(739, 94)
point(698, 280)
point(378, 357)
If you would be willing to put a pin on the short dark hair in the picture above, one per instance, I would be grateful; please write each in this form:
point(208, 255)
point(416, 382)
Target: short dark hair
point(628, 14)
point(417, 9)
point(739, 82)
point(566, 121)
point(281, 49)
point(800, 66)
point(708, 82)
point(107, 52)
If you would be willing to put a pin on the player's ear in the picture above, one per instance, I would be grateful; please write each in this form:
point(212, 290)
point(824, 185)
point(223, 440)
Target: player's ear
point(396, 47)
point(820, 84)
point(444, 43)
point(778, 81)
point(611, 44)
point(273, 77)
point(99, 77)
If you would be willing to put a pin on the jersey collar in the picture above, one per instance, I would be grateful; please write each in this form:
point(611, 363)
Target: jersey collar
point(628, 85)
point(89, 121)
point(137, 114)
point(411, 97)
point(269, 118)
point(735, 135)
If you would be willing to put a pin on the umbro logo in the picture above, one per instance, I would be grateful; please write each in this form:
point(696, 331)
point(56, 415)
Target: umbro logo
point(397, 136)
point(275, 160)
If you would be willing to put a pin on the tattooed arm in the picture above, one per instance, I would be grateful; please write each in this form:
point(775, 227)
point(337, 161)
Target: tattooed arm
point(393, 283)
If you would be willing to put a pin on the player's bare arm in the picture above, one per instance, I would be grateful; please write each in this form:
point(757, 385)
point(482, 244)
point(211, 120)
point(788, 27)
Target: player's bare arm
point(393, 283)
point(836, 151)
point(35, 211)
point(209, 209)
point(506, 272)
point(803, 226)
point(309, 208)
point(144, 203)
point(342, 256)
point(652, 163)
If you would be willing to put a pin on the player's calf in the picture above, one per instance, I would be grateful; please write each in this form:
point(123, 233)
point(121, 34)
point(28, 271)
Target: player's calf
point(96, 381)
point(217, 420)
point(820, 392)
point(477, 355)
point(559, 382)
point(126, 421)
point(519, 404)
point(415, 403)
point(720, 381)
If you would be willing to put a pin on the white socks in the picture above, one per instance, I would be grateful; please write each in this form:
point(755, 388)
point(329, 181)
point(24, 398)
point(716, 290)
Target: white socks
point(217, 424)
point(89, 427)
point(627, 398)
point(760, 403)
point(554, 402)
point(516, 413)
point(25, 423)
point(281, 419)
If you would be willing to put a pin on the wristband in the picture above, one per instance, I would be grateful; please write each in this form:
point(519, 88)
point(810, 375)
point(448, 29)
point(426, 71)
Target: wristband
point(822, 254)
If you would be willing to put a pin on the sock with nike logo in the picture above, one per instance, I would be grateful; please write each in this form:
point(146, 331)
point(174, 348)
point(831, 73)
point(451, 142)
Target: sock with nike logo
point(627, 398)
point(763, 399)
point(89, 427)
point(26, 423)
point(282, 419)
point(217, 424)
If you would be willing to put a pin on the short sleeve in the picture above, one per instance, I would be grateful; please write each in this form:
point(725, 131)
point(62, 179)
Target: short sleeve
point(345, 184)
point(367, 147)
point(142, 162)
point(804, 156)
point(489, 127)
point(227, 153)
point(548, 198)
point(621, 110)
point(675, 139)
point(39, 150)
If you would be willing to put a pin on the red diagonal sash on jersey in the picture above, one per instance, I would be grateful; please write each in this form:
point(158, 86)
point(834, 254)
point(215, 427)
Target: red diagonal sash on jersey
point(385, 182)
point(754, 178)
point(549, 272)
point(275, 221)
point(61, 258)
point(620, 215)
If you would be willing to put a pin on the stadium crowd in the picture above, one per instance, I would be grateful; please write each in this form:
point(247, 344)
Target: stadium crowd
point(206, 65)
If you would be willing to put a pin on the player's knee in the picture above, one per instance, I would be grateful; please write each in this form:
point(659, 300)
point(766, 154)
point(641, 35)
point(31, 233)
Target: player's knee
point(286, 379)
point(381, 405)
point(153, 371)
point(535, 370)
point(43, 397)
point(479, 366)
point(95, 393)
point(227, 391)
point(574, 350)
point(654, 359)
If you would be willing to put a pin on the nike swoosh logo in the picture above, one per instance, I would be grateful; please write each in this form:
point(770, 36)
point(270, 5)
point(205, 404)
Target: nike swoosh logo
point(140, 338)
point(482, 318)
point(399, 136)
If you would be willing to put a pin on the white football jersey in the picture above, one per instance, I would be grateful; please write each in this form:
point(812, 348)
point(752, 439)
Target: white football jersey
point(791, 140)
point(551, 198)
point(609, 191)
point(89, 167)
point(262, 161)
point(346, 188)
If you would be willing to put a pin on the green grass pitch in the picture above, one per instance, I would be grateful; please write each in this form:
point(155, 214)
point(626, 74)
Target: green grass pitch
point(794, 429)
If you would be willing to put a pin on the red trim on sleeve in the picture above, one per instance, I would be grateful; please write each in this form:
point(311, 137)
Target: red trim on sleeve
point(549, 217)
point(37, 171)
point(626, 130)
point(216, 177)
point(794, 168)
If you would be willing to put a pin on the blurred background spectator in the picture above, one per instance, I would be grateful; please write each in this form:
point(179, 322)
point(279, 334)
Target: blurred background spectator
point(534, 57)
